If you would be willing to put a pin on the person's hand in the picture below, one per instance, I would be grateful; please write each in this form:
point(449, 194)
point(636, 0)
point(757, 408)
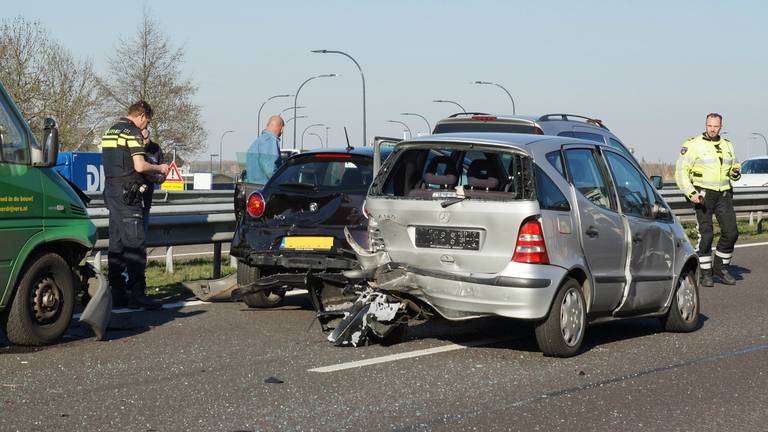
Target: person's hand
point(164, 169)
point(697, 198)
point(735, 171)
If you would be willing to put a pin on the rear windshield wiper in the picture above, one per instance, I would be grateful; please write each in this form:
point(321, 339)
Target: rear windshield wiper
point(453, 201)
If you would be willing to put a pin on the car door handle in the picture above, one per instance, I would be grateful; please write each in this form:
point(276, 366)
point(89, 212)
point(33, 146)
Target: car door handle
point(592, 232)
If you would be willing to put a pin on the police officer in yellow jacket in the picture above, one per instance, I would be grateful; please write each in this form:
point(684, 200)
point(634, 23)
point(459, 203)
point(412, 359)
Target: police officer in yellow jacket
point(704, 171)
point(124, 163)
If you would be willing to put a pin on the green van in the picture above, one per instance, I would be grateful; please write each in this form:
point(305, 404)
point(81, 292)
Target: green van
point(45, 234)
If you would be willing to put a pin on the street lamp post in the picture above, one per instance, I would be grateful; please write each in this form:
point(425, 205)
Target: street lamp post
point(296, 99)
point(764, 140)
point(290, 108)
point(221, 141)
point(429, 128)
point(319, 137)
point(410, 134)
point(258, 116)
point(213, 155)
point(501, 87)
point(452, 102)
point(365, 136)
point(326, 135)
point(305, 131)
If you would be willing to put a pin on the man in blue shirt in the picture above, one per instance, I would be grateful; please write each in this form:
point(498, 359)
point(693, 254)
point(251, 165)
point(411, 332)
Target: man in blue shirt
point(263, 157)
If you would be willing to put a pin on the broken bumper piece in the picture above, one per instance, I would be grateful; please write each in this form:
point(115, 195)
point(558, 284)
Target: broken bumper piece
point(374, 314)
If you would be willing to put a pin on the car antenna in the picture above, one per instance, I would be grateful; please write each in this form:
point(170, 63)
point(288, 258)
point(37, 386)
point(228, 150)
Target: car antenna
point(349, 147)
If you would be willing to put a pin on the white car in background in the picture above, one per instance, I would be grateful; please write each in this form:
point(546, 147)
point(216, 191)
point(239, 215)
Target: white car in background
point(754, 172)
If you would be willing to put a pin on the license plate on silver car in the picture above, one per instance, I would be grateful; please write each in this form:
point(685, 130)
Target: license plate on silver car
point(447, 238)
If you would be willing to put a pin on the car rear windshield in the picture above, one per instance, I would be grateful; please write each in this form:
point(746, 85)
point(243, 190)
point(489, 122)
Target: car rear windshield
point(755, 166)
point(484, 126)
point(439, 173)
point(326, 173)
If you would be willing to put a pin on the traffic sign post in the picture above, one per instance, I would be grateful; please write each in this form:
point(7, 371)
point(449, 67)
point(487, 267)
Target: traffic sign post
point(173, 179)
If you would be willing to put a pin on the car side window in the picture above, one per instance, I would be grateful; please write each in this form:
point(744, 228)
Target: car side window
point(13, 146)
point(548, 194)
point(620, 147)
point(630, 187)
point(587, 178)
point(556, 160)
point(583, 135)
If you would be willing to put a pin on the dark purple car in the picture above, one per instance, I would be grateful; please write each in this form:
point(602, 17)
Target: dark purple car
point(294, 225)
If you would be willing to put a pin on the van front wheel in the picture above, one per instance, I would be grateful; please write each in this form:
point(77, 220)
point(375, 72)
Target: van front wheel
point(562, 333)
point(42, 305)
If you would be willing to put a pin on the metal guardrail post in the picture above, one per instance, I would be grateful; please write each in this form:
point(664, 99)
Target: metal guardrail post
point(217, 260)
point(232, 262)
point(169, 259)
point(97, 261)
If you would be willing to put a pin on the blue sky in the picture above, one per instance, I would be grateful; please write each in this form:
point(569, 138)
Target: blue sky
point(651, 70)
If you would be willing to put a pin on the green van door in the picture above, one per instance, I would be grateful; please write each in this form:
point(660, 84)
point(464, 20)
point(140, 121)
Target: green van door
point(21, 203)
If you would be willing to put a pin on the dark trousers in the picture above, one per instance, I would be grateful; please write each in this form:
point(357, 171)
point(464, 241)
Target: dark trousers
point(127, 251)
point(721, 205)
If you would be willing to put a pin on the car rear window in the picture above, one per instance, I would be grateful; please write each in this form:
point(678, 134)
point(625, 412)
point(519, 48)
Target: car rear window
point(446, 172)
point(755, 166)
point(326, 172)
point(484, 126)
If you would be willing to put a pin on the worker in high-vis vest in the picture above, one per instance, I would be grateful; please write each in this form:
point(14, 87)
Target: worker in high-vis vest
point(704, 171)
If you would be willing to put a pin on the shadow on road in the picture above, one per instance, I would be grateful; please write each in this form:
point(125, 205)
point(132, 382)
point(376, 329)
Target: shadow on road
point(122, 325)
point(738, 272)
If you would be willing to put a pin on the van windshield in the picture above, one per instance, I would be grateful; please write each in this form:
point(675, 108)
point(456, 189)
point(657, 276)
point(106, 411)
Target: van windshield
point(449, 172)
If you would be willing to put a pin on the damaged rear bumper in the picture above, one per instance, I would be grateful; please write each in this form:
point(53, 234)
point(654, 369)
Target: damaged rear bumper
point(513, 293)
point(521, 291)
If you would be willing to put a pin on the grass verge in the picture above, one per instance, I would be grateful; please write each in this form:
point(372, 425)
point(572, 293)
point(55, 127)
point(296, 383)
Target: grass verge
point(162, 284)
point(747, 232)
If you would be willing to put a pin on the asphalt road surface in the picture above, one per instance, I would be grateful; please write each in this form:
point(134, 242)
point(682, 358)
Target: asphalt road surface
point(208, 367)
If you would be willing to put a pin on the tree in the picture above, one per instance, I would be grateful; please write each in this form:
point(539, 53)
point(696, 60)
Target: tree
point(147, 67)
point(44, 79)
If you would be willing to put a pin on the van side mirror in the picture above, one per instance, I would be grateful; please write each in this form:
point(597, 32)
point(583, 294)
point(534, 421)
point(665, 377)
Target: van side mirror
point(657, 182)
point(50, 142)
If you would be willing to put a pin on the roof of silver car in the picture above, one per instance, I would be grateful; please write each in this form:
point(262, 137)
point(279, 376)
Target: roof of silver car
point(489, 137)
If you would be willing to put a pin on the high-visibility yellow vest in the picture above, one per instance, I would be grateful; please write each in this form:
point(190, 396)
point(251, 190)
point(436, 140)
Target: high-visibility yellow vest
point(707, 164)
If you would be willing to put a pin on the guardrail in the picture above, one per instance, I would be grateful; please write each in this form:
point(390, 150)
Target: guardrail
point(207, 217)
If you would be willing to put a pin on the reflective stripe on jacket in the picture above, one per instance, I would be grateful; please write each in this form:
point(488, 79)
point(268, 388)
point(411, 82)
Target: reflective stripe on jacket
point(707, 164)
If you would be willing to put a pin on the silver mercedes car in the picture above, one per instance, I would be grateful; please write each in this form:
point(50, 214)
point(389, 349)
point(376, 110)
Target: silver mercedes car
point(558, 231)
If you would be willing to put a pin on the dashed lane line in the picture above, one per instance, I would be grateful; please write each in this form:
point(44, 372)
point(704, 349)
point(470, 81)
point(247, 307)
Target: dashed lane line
point(409, 354)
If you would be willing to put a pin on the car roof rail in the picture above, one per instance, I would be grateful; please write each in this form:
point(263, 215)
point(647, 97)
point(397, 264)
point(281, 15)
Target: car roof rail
point(590, 120)
point(467, 114)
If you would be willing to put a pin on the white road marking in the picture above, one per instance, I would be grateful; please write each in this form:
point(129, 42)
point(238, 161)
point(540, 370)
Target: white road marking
point(182, 304)
point(407, 355)
point(749, 245)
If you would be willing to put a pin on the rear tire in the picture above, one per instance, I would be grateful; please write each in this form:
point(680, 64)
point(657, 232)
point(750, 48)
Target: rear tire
point(43, 302)
point(562, 333)
point(683, 314)
point(265, 299)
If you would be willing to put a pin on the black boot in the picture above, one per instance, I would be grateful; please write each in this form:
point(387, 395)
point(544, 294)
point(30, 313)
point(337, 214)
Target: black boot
point(706, 277)
point(721, 272)
point(142, 301)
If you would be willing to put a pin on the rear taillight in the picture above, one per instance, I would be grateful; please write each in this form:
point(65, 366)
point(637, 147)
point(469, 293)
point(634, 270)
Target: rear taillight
point(255, 205)
point(538, 131)
point(530, 247)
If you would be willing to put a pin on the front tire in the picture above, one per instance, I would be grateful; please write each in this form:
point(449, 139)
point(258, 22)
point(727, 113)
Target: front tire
point(42, 305)
point(683, 314)
point(264, 299)
point(562, 333)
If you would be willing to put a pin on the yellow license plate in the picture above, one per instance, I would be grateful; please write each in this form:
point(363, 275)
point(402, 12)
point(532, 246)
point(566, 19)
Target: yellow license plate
point(307, 243)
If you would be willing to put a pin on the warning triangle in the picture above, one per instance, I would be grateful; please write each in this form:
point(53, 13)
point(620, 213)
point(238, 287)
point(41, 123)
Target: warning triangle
point(173, 174)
